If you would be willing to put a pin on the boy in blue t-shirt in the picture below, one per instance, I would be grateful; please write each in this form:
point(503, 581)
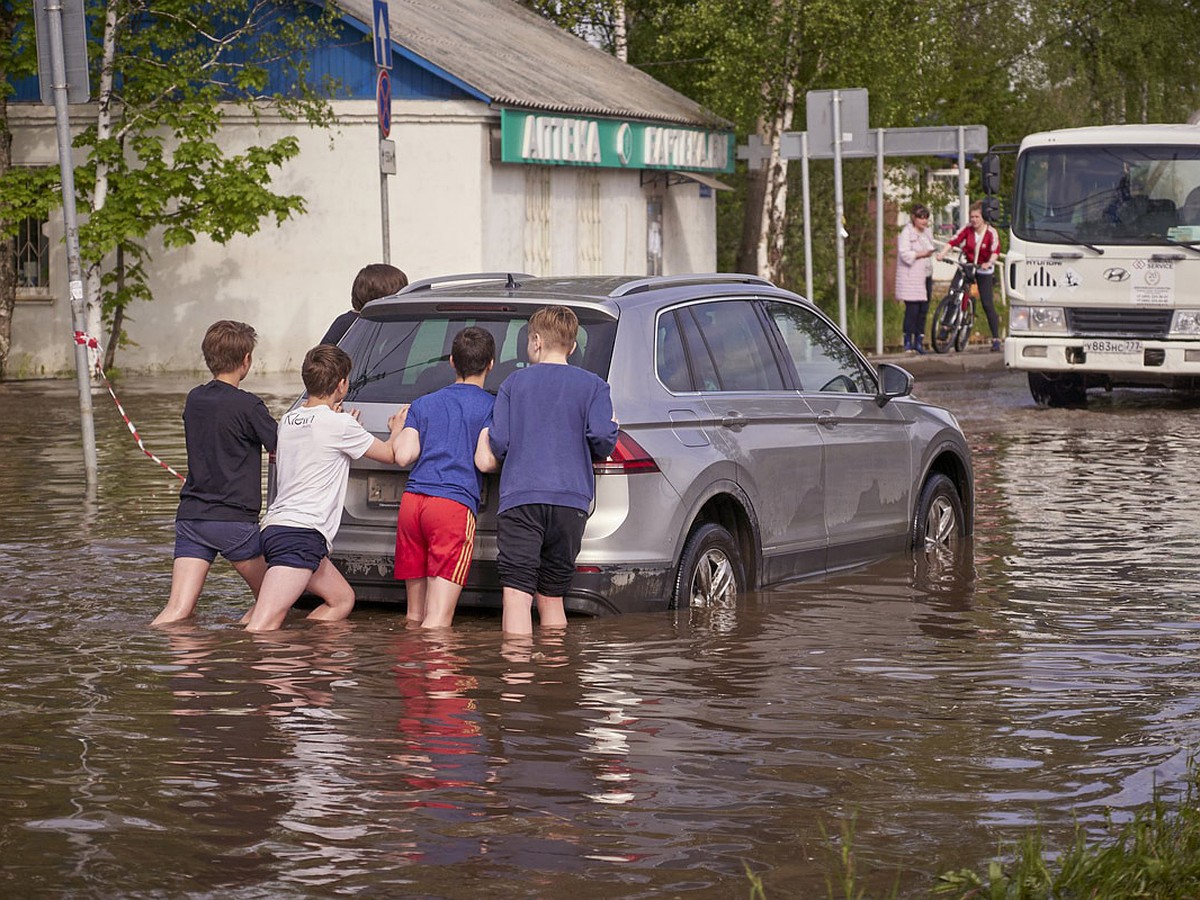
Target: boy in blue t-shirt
point(435, 530)
point(551, 421)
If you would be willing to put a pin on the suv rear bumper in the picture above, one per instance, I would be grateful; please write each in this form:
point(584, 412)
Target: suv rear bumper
point(622, 588)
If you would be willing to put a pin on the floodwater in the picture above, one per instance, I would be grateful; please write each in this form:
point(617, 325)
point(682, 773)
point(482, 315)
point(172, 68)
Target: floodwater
point(935, 714)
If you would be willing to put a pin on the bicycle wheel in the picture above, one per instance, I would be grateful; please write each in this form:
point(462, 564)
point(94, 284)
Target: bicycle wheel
point(945, 324)
point(963, 335)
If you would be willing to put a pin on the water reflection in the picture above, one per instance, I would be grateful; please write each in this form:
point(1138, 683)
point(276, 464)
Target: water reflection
point(942, 703)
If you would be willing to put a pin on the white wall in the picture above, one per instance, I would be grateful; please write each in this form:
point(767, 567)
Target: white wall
point(451, 210)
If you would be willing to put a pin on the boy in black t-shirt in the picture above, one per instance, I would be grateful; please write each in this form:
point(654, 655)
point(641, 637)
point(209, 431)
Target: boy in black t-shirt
point(226, 430)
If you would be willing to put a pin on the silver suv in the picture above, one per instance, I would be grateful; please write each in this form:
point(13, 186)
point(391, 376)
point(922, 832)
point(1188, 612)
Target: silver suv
point(756, 445)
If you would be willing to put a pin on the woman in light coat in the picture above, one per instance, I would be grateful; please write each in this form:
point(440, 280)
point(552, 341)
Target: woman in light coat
point(914, 276)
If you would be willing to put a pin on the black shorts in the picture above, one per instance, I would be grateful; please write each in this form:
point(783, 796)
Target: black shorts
point(296, 548)
point(536, 547)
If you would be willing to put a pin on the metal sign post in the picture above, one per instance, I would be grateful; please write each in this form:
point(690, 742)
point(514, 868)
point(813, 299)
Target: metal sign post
point(837, 126)
point(60, 29)
point(381, 35)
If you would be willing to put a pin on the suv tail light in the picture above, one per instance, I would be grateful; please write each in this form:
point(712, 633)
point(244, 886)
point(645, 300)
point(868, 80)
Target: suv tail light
point(627, 458)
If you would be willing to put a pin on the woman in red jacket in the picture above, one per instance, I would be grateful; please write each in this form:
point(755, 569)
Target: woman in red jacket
point(980, 244)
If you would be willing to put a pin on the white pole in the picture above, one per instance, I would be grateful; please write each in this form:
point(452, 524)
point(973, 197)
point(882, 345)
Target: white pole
point(963, 213)
point(879, 213)
point(58, 68)
point(808, 272)
point(838, 209)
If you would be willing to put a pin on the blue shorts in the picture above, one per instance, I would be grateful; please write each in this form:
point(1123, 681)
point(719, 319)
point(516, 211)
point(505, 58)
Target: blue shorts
point(296, 548)
point(204, 539)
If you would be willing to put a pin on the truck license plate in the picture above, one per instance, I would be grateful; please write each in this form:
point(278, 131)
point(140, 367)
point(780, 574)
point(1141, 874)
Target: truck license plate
point(1104, 346)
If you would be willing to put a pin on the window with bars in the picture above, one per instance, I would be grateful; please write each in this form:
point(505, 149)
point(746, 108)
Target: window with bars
point(32, 260)
point(537, 220)
point(590, 238)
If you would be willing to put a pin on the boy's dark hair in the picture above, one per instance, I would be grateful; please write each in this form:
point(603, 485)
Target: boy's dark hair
point(557, 325)
point(324, 366)
point(472, 350)
point(375, 281)
point(226, 344)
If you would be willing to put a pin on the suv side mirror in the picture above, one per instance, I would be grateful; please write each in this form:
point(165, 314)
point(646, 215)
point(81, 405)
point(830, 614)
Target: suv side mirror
point(893, 382)
point(991, 174)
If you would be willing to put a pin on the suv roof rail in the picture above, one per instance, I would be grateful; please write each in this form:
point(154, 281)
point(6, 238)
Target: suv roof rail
point(510, 279)
point(657, 281)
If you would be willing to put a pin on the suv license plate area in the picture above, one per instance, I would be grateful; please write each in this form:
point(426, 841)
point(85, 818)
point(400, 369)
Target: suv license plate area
point(1117, 347)
point(384, 490)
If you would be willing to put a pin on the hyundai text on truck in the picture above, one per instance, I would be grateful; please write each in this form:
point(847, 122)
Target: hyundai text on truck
point(1103, 265)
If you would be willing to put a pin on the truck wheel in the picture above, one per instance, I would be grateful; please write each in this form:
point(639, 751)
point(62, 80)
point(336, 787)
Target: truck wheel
point(939, 522)
point(710, 570)
point(1057, 390)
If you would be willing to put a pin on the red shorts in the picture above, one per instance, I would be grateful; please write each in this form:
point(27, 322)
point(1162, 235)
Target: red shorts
point(434, 538)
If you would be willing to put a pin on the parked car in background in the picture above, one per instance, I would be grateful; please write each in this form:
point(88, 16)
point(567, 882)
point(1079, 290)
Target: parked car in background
point(756, 444)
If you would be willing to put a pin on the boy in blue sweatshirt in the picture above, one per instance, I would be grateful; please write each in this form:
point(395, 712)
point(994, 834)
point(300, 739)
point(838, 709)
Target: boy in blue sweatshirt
point(551, 420)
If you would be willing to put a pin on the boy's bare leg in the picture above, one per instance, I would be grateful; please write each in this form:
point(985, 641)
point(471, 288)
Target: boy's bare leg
point(441, 597)
point(187, 580)
point(518, 612)
point(281, 587)
point(331, 586)
point(414, 590)
point(550, 612)
point(252, 571)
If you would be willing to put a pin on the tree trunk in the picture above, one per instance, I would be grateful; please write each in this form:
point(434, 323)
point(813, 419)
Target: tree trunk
point(752, 223)
point(118, 318)
point(104, 131)
point(774, 230)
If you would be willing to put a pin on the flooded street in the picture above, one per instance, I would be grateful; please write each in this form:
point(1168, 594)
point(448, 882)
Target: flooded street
point(937, 713)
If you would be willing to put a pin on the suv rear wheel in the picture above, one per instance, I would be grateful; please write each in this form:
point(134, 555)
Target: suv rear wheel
point(710, 571)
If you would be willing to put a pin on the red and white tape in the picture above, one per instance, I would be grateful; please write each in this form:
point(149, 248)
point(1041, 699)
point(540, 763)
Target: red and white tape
point(86, 340)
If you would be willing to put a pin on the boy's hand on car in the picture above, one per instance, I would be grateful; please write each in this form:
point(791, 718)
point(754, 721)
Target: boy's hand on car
point(397, 419)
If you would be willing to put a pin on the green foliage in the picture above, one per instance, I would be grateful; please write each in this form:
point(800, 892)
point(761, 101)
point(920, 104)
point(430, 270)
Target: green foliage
point(179, 70)
point(1155, 855)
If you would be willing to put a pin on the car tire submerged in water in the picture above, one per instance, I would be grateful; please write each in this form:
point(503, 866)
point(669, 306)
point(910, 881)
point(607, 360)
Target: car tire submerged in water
point(939, 521)
point(1057, 390)
point(710, 570)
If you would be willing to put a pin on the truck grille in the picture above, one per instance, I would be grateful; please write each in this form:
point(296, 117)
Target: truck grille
point(1143, 323)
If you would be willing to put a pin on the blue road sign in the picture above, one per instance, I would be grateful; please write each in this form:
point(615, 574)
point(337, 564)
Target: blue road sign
point(383, 99)
point(381, 33)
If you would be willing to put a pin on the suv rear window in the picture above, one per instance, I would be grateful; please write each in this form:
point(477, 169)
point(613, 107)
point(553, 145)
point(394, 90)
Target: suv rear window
point(400, 360)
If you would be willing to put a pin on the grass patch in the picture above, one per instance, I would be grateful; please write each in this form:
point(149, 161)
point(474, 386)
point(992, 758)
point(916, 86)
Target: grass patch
point(1155, 855)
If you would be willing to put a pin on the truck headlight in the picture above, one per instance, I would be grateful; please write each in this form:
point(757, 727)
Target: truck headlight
point(1036, 318)
point(1186, 321)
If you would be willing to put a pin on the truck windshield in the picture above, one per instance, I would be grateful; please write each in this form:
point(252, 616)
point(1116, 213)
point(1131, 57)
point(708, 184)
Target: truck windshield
point(1135, 194)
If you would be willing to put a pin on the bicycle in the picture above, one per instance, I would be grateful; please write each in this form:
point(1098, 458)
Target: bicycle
point(955, 315)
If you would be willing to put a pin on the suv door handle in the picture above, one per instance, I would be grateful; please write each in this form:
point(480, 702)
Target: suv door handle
point(733, 419)
point(828, 419)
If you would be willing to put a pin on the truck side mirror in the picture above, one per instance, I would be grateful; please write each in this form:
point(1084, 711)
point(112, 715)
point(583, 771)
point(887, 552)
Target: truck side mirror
point(991, 209)
point(991, 174)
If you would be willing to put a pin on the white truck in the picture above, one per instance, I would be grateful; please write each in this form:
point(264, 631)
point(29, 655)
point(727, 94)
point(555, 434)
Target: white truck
point(1103, 265)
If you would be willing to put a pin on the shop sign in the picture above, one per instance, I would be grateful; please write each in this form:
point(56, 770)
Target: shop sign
point(545, 139)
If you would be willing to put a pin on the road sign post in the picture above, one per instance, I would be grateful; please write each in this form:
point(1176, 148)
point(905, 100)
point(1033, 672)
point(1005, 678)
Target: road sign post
point(62, 73)
point(382, 38)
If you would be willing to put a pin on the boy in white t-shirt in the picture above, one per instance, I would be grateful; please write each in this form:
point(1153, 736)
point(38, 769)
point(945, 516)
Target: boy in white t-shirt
point(312, 464)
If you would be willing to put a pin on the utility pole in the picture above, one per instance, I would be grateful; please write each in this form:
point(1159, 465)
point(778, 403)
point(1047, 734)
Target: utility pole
point(62, 71)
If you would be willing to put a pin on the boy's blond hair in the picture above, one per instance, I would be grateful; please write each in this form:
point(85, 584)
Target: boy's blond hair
point(226, 345)
point(557, 326)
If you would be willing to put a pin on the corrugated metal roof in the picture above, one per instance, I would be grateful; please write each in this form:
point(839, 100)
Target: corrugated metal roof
point(516, 58)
